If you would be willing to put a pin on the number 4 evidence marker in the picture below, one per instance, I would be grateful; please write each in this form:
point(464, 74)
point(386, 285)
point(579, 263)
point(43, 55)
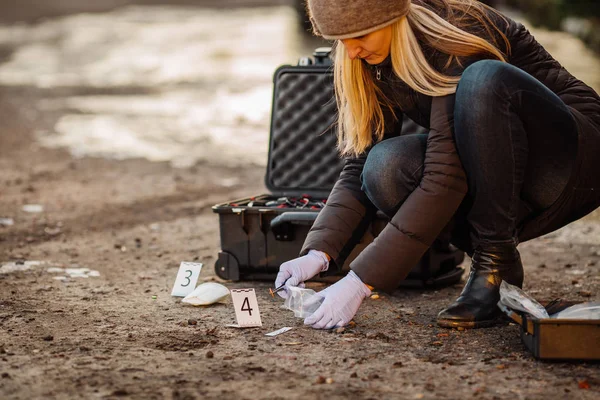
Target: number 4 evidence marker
point(246, 308)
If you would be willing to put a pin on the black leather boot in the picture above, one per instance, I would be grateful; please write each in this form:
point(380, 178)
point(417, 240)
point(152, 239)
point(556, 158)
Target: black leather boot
point(476, 306)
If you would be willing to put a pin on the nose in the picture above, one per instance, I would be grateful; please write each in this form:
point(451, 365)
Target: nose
point(352, 48)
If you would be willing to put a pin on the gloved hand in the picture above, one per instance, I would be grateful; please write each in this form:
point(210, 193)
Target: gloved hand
point(298, 270)
point(341, 301)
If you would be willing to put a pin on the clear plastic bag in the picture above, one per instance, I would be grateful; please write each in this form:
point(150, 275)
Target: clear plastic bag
point(513, 297)
point(580, 311)
point(302, 301)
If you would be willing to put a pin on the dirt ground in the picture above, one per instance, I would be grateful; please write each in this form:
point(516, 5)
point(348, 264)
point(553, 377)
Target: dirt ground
point(121, 334)
point(135, 221)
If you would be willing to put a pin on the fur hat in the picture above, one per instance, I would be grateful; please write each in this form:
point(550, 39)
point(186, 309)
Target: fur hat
point(339, 19)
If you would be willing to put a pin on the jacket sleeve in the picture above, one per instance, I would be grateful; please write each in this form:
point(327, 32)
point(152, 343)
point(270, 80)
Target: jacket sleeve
point(348, 212)
point(389, 258)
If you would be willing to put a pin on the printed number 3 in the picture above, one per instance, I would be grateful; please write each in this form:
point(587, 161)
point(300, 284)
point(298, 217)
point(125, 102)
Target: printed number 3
point(188, 278)
point(246, 304)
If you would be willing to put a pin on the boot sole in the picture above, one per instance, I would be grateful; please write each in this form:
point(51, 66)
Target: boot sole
point(449, 323)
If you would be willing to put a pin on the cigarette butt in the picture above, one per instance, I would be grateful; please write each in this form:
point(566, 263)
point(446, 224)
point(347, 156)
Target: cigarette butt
point(273, 291)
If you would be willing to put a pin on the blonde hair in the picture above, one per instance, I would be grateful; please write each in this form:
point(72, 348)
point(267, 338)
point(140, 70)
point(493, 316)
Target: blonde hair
point(361, 103)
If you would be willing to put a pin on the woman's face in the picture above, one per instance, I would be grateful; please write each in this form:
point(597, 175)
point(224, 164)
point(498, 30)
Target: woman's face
point(373, 47)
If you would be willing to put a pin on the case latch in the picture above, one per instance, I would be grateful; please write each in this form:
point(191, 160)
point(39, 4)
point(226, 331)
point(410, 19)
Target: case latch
point(322, 56)
point(282, 225)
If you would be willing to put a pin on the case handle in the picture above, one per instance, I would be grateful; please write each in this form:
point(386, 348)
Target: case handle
point(282, 224)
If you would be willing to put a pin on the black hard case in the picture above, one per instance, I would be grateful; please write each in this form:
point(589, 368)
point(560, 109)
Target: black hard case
point(303, 159)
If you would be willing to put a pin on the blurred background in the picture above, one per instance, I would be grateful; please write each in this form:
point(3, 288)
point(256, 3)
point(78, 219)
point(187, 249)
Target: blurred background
point(190, 81)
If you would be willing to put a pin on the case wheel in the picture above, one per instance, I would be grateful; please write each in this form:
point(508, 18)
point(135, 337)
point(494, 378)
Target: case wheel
point(227, 266)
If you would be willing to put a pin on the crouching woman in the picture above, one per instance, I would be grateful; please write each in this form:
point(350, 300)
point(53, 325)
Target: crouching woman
point(511, 152)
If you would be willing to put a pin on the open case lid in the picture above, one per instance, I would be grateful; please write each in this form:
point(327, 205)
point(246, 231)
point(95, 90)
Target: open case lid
point(303, 158)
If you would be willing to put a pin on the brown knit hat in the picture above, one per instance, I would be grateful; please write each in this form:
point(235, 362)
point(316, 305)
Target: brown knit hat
point(339, 19)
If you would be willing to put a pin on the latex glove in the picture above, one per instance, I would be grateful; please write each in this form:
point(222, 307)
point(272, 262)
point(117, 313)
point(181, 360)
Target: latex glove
point(298, 270)
point(341, 301)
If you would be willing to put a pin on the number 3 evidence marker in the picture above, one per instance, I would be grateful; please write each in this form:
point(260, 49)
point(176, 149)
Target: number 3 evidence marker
point(246, 308)
point(186, 280)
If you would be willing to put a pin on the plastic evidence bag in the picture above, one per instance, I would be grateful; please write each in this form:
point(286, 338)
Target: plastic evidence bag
point(513, 297)
point(302, 301)
point(580, 311)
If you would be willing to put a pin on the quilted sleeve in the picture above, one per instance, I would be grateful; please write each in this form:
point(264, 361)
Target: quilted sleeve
point(348, 212)
point(411, 231)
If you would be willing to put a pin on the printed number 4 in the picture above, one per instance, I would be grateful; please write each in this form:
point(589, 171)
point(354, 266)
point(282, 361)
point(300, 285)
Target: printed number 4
point(246, 304)
point(188, 278)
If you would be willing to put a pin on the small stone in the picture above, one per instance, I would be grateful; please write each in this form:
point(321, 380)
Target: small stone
point(192, 322)
point(437, 343)
point(320, 380)
point(374, 296)
point(478, 390)
point(340, 330)
point(52, 231)
point(501, 366)
point(209, 354)
point(460, 328)
point(585, 293)
point(7, 222)
point(442, 335)
point(542, 266)
point(5, 375)
point(48, 338)
point(574, 282)
point(568, 265)
point(373, 376)
point(329, 381)
point(354, 375)
point(398, 364)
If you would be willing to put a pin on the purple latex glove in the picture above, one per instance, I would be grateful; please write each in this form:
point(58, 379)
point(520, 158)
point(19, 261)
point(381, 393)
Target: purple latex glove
point(298, 270)
point(341, 301)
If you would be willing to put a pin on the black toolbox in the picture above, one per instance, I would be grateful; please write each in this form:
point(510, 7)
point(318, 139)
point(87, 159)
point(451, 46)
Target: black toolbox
point(259, 233)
